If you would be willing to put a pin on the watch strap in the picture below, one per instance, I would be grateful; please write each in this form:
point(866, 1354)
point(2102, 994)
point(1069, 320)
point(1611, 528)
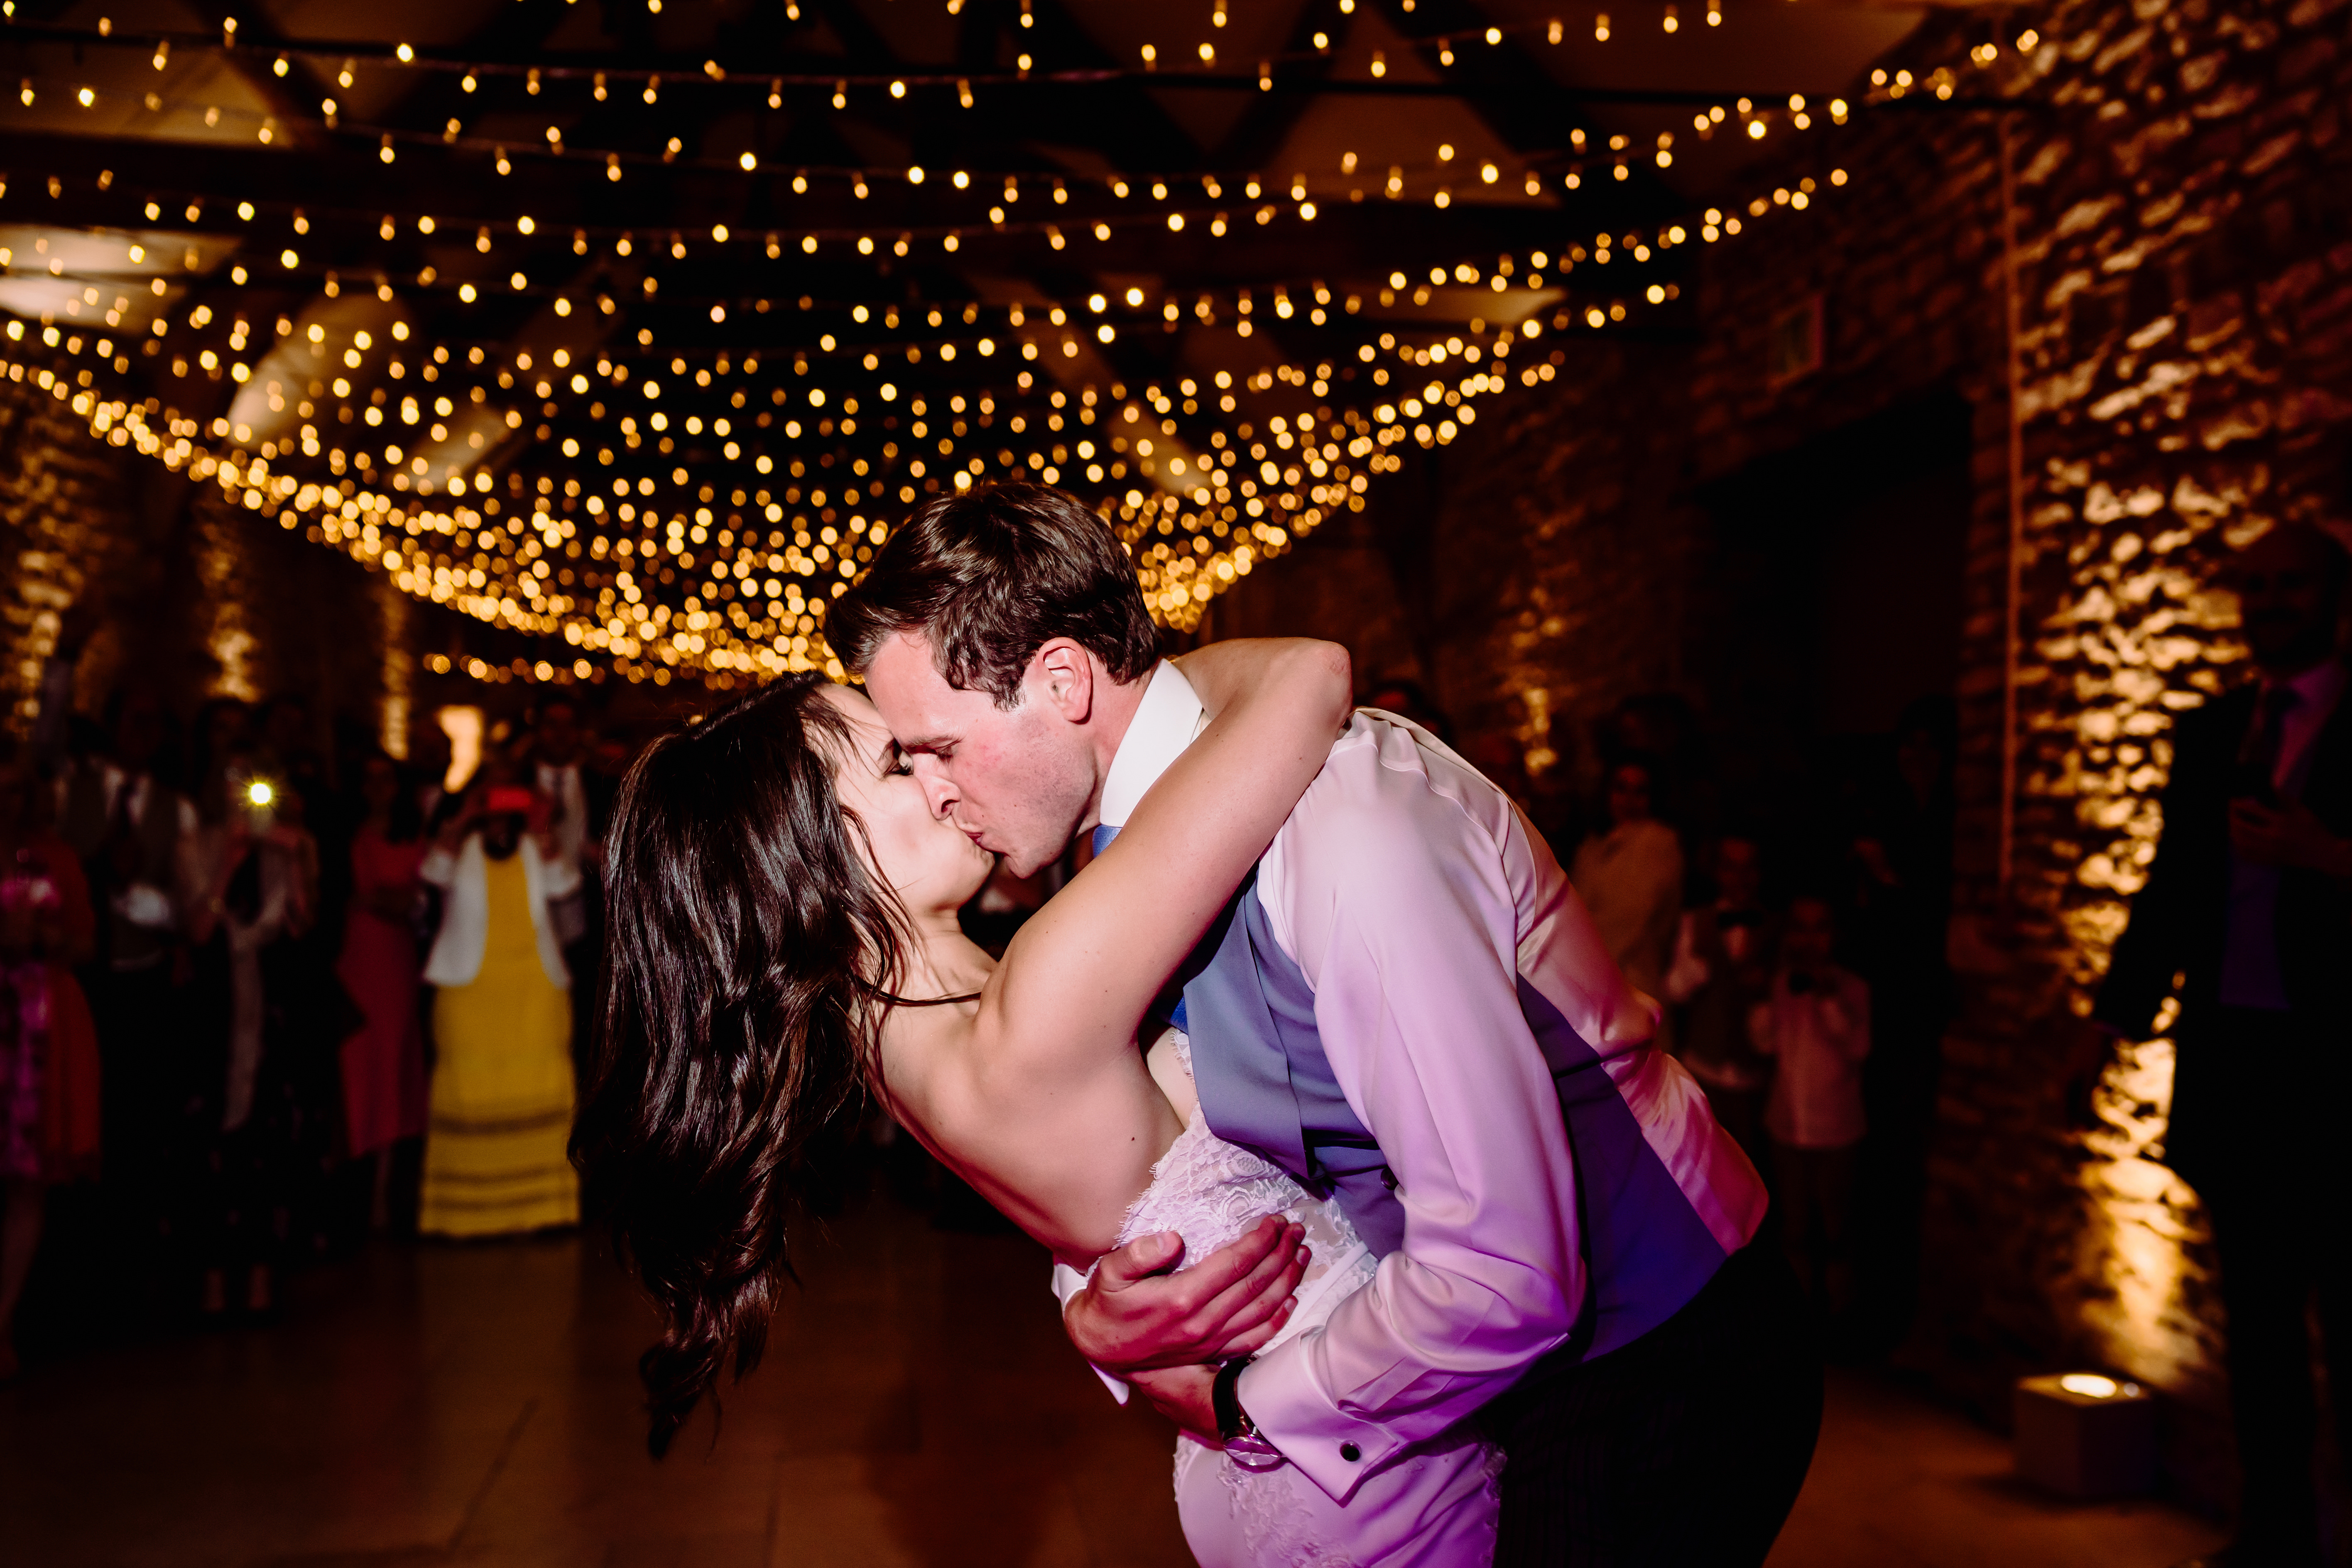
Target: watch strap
point(1226, 1400)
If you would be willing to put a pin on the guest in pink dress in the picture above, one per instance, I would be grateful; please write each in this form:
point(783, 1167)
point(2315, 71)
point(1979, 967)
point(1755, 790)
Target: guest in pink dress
point(384, 1060)
point(48, 1049)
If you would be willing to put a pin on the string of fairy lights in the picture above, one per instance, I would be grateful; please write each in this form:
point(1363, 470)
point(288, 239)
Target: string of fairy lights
point(1249, 522)
point(1310, 302)
point(1169, 305)
point(712, 502)
point(1442, 181)
point(603, 80)
point(1197, 518)
point(477, 78)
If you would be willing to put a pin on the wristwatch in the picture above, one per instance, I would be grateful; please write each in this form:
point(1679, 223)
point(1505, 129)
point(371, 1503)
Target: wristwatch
point(1235, 1430)
point(1225, 1400)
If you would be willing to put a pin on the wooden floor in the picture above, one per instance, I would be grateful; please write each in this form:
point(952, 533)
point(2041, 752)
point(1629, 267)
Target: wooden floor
point(1899, 1483)
point(478, 1404)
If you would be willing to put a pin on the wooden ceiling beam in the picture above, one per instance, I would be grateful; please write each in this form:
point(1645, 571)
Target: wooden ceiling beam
point(1271, 117)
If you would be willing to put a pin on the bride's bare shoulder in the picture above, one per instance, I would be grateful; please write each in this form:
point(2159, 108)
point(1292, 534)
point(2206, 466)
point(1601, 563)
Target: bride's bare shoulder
point(921, 1049)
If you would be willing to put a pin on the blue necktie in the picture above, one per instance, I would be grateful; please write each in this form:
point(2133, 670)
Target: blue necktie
point(1103, 834)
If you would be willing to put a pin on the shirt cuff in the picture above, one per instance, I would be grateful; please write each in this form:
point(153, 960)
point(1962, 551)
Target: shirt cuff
point(1068, 1282)
point(1332, 1448)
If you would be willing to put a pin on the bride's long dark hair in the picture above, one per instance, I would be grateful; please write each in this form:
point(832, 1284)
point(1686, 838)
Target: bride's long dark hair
point(745, 942)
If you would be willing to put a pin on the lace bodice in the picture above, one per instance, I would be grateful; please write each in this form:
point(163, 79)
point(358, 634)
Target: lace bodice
point(1210, 1191)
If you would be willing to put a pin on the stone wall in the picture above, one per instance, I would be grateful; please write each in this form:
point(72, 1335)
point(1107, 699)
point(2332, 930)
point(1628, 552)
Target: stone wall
point(192, 599)
point(66, 517)
point(2182, 202)
point(2186, 254)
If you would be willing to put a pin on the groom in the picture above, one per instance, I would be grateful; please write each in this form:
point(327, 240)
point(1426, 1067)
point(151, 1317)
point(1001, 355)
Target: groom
point(1408, 1008)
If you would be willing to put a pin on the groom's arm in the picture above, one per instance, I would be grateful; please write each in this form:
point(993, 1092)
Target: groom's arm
point(1398, 901)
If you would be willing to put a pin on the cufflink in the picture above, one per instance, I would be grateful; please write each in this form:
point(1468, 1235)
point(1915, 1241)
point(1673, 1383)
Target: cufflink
point(1350, 1453)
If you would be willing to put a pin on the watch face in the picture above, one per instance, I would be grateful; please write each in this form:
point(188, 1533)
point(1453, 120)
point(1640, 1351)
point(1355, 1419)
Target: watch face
point(1252, 1452)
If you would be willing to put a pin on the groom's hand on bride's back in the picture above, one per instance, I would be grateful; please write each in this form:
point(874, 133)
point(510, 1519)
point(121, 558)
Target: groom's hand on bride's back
point(1137, 1315)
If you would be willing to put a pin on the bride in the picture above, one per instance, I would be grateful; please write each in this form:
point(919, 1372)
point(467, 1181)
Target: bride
point(783, 939)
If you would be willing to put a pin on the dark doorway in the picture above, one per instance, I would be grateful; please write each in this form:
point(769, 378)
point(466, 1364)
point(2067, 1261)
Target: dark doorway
point(1833, 614)
point(1831, 592)
point(1826, 598)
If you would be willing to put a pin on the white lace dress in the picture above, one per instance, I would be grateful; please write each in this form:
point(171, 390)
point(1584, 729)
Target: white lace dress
point(1433, 1505)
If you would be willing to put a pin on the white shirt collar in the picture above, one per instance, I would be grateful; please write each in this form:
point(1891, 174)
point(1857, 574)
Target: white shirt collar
point(1165, 723)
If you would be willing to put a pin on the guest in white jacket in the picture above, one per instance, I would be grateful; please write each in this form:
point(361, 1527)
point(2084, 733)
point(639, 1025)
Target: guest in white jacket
point(1816, 1025)
point(501, 1110)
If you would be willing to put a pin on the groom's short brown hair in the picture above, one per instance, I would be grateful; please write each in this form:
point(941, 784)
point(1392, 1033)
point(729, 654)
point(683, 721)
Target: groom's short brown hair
point(988, 576)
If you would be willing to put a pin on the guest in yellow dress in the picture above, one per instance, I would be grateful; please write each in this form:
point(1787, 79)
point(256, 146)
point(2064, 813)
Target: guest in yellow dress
point(500, 1107)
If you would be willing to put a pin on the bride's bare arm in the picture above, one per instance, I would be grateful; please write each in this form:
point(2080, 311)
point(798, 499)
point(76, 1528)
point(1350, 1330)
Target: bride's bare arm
point(1221, 675)
point(1076, 980)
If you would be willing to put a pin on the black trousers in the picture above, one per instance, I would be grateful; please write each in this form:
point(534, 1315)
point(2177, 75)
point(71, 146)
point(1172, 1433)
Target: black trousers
point(2276, 1190)
point(1682, 1449)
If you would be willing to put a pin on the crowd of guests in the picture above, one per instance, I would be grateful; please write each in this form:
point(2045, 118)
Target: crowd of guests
point(1802, 972)
point(1799, 956)
point(266, 988)
point(1797, 947)
point(271, 994)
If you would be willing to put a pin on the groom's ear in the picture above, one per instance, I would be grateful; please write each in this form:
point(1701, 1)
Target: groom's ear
point(1063, 678)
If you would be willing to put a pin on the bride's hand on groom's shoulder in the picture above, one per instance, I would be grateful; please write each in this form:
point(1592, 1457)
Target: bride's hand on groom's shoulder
point(1138, 1316)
